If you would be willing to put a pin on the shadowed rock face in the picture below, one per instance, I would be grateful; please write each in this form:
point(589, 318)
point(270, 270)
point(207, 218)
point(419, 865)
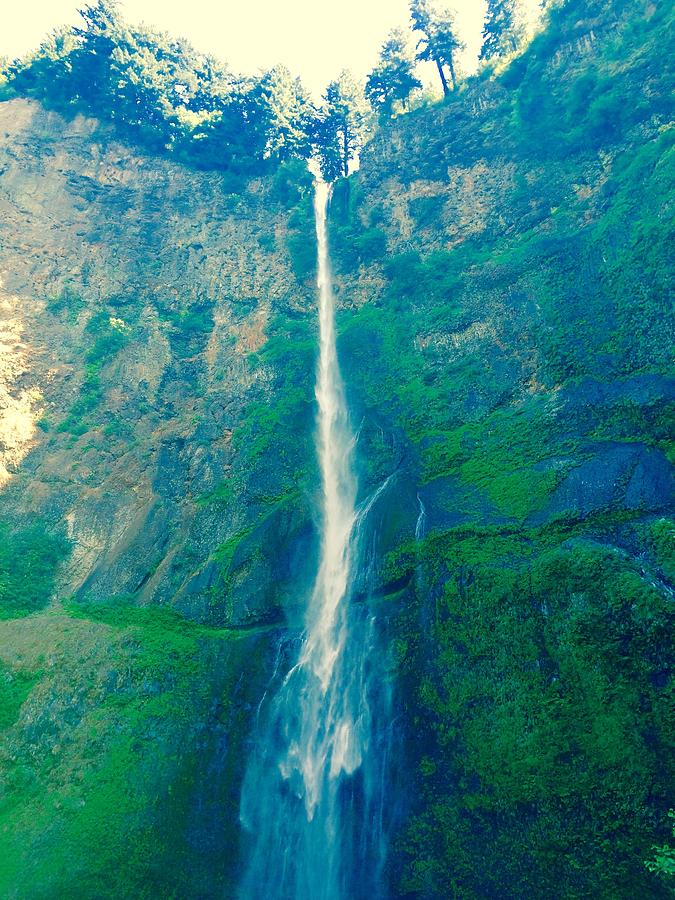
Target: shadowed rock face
point(616, 477)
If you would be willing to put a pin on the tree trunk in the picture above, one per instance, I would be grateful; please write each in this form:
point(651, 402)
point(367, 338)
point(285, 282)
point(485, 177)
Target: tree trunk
point(345, 150)
point(452, 73)
point(444, 81)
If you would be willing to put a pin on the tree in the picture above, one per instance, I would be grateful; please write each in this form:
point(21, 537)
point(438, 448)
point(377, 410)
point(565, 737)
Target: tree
point(341, 126)
point(289, 114)
point(160, 92)
point(393, 79)
point(503, 30)
point(91, 59)
point(48, 71)
point(439, 41)
point(663, 862)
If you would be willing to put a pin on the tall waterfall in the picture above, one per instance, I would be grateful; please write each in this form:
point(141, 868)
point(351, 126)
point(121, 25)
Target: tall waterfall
point(313, 796)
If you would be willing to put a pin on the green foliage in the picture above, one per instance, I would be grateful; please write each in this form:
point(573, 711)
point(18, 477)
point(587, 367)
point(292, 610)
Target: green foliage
point(661, 540)
point(591, 109)
point(290, 115)
point(663, 862)
point(161, 93)
point(301, 238)
point(290, 183)
point(548, 717)
point(190, 327)
point(393, 80)
point(67, 301)
point(15, 686)
point(352, 244)
point(535, 661)
point(439, 41)
point(101, 792)
point(274, 442)
point(503, 29)
point(105, 336)
point(29, 559)
point(5, 91)
point(341, 127)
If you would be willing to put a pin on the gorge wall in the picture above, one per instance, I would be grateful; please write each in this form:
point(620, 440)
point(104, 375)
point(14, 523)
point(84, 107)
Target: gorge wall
point(506, 337)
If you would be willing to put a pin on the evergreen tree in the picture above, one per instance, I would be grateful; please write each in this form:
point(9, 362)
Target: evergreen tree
point(4, 74)
point(91, 59)
point(162, 93)
point(503, 30)
point(48, 70)
point(341, 126)
point(289, 113)
point(439, 41)
point(393, 79)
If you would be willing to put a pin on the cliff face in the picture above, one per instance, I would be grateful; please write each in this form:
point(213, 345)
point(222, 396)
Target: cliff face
point(134, 293)
point(506, 342)
point(513, 350)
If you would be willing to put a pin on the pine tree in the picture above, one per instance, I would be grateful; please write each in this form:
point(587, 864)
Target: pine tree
point(341, 126)
point(91, 60)
point(289, 113)
point(159, 91)
point(503, 30)
point(393, 79)
point(47, 72)
point(439, 41)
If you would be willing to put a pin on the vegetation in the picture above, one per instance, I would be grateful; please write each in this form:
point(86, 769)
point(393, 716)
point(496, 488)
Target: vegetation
point(503, 30)
point(110, 720)
point(105, 336)
point(29, 559)
point(438, 42)
point(546, 765)
point(506, 361)
point(342, 126)
point(534, 635)
point(663, 862)
point(393, 80)
point(162, 93)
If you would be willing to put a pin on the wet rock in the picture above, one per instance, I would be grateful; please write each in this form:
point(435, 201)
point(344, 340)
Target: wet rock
point(617, 477)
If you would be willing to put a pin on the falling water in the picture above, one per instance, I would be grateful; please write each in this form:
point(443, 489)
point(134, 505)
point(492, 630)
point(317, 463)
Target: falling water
point(314, 791)
point(421, 525)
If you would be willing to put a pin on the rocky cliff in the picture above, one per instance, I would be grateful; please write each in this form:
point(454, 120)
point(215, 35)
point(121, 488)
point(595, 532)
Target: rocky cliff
point(506, 338)
point(135, 293)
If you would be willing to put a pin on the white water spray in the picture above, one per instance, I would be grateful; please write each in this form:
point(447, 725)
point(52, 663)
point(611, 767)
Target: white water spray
point(313, 796)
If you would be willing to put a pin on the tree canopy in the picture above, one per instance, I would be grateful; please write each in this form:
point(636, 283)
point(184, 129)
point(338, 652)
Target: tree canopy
point(161, 92)
point(439, 41)
point(341, 126)
point(503, 30)
point(393, 79)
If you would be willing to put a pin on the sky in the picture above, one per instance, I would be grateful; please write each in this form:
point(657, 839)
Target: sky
point(316, 39)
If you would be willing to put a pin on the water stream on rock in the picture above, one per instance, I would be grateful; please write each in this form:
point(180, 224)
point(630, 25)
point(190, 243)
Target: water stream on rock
point(313, 799)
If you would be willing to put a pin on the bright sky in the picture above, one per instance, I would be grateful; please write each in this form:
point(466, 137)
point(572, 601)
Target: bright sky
point(314, 38)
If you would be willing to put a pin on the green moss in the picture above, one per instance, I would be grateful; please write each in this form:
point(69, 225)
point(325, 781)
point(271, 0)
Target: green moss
point(29, 560)
point(661, 540)
point(15, 686)
point(68, 303)
point(548, 719)
point(105, 336)
point(98, 795)
point(301, 238)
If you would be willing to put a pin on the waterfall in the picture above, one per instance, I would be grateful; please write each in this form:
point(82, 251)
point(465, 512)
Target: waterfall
point(421, 524)
point(313, 799)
